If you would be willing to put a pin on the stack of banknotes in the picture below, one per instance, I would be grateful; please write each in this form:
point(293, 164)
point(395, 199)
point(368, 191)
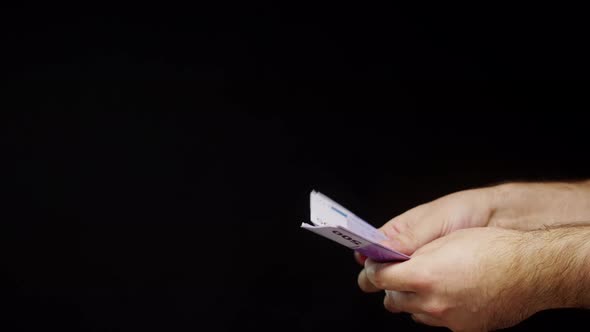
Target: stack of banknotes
point(329, 219)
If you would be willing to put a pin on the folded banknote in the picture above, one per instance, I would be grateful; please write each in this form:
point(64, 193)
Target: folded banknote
point(329, 219)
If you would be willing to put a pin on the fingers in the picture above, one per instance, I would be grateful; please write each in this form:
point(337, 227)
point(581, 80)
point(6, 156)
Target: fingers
point(411, 303)
point(413, 229)
point(366, 285)
point(394, 276)
point(389, 303)
point(427, 320)
point(402, 302)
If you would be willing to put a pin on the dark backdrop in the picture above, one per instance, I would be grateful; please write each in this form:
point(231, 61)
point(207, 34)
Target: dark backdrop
point(158, 160)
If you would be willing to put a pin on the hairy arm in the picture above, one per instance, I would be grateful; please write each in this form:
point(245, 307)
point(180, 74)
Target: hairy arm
point(559, 266)
point(487, 278)
point(519, 206)
point(490, 257)
point(529, 206)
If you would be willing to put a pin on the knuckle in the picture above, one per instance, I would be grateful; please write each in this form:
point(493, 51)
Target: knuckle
point(388, 304)
point(399, 225)
point(364, 283)
point(423, 280)
point(377, 280)
point(375, 277)
point(436, 309)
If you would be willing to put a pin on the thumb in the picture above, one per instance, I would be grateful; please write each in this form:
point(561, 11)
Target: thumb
point(412, 229)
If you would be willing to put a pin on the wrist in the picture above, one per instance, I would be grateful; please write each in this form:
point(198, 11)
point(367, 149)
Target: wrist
point(529, 206)
point(503, 199)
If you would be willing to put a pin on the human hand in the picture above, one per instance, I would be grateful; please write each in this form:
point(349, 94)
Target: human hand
point(522, 206)
point(518, 206)
point(427, 222)
point(471, 280)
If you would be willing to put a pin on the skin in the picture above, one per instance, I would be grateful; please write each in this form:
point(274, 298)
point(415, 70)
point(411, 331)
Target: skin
point(488, 258)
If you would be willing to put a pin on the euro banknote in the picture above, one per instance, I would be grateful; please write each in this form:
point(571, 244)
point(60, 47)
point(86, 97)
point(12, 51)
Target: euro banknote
point(331, 220)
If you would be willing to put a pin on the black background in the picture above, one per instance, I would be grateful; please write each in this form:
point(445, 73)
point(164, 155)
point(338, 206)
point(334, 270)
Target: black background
point(158, 160)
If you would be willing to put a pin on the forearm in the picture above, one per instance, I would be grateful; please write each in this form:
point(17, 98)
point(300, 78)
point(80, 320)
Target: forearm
point(557, 264)
point(529, 206)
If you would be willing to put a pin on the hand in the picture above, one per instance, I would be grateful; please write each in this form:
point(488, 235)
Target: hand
point(473, 279)
point(522, 206)
point(422, 224)
point(425, 223)
point(426, 229)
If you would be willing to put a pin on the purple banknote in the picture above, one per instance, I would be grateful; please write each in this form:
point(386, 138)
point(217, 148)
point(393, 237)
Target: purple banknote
point(331, 220)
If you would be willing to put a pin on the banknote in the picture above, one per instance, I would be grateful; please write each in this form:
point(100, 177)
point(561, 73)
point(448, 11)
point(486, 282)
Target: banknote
point(331, 220)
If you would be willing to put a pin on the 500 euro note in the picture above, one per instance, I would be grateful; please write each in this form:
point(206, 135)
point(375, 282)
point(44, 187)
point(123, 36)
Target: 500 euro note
point(330, 220)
